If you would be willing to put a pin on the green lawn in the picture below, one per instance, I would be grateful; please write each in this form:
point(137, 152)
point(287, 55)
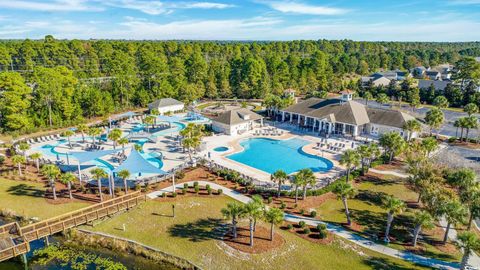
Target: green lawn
point(26, 199)
point(367, 212)
point(194, 234)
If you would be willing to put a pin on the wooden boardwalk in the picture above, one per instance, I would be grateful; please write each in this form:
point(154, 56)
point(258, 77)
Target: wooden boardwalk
point(14, 240)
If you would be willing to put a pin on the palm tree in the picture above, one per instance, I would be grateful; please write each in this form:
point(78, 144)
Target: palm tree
point(252, 211)
point(123, 141)
point(393, 144)
point(124, 174)
point(23, 146)
point(36, 157)
point(138, 147)
point(98, 174)
point(149, 120)
point(382, 98)
point(258, 200)
point(422, 219)
point(51, 172)
point(94, 132)
point(455, 213)
point(470, 109)
point(68, 133)
point(18, 160)
point(412, 126)
point(114, 136)
point(344, 191)
point(470, 122)
point(349, 159)
point(467, 241)
point(393, 206)
point(441, 102)
point(280, 177)
point(234, 211)
point(274, 216)
point(429, 145)
point(82, 128)
point(434, 119)
point(367, 153)
point(67, 179)
point(297, 181)
point(308, 178)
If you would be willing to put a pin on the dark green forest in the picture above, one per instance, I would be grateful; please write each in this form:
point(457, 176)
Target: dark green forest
point(57, 83)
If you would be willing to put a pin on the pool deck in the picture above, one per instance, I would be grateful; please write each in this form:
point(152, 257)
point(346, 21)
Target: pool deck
point(233, 142)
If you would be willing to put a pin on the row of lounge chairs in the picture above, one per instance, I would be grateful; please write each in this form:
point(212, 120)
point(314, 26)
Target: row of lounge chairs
point(333, 148)
point(268, 132)
point(44, 139)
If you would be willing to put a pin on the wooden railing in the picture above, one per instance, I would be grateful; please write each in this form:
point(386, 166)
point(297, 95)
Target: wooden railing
point(69, 220)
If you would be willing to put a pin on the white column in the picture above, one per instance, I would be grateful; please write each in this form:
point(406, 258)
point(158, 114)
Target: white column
point(314, 124)
point(298, 119)
point(283, 116)
point(355, 131)
point(291, 117)
point(330, 128)
point(343, 128)
point(305, 121)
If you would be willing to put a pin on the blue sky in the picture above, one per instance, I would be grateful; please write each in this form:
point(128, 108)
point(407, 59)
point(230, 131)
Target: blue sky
point(407, 20)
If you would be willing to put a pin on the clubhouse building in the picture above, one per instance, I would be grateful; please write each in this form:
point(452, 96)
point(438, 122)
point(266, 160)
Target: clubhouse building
point(344, 116)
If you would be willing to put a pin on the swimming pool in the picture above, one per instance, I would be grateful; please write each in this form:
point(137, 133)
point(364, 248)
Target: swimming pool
point(270, 155)
point(220, 149)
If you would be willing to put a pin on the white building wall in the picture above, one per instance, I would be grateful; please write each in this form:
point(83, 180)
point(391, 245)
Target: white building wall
point(232, 130)
point(172, 108)
point(377, 130)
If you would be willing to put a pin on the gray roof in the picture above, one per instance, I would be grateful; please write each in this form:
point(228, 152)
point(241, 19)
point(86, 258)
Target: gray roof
point(349, 112)
point(236, 116)
point(439, 85)
point(389, 118)
point(164, 102)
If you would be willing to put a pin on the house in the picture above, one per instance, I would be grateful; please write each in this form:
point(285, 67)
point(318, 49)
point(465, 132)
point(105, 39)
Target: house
point(166, 105)
point(375, 80)
point(433, 75)
point(439, 85)
point(445, 71)
point(236, 122)
point(419, 72)
point(396, 75)
point(344, 116)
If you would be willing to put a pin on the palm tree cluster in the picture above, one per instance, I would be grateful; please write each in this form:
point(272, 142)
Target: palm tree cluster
point(192, 136)
point(252, 211)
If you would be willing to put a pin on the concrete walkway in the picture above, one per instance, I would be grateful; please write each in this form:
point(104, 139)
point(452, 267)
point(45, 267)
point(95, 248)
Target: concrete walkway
point(337, 230)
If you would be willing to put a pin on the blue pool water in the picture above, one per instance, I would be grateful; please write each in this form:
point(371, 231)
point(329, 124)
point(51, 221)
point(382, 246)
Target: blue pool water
point(220, 149)
point(270, 155)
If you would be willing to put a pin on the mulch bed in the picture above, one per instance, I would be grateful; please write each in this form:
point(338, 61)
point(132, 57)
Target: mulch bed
point(261, 240)
point(466, 145)
point(312, 237)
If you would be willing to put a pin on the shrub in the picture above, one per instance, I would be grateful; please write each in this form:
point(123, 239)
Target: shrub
point(289, 226)
point(209, 190)
point(195, 184)
point(207, 186)
point(137, 187)
point(2, 160)
point(185, 185)
point(313, 213)
point(283, 205)
point(183, 191)
point(164, 195)
point(295, 205)
point(220, 191)
point(306, 230)
point(246, 189)
point(322, 234)
point(270, 199)
point(197, 189)
point(321, 227)
point(302, 224)
point(302, 212)
point(180, 174)
point(452, 139)
point(174, 194)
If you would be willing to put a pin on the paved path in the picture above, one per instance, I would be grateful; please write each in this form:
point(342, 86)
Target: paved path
point(338, 230)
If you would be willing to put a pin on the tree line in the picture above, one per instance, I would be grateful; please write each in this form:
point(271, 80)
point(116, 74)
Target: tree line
point(54, 83)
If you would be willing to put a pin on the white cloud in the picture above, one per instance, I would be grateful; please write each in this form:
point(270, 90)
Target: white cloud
point(205, 5)
point(301, 8)
point(158, 7)
point(56, 5)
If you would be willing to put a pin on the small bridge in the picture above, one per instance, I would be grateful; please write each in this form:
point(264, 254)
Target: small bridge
point(15, 240)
